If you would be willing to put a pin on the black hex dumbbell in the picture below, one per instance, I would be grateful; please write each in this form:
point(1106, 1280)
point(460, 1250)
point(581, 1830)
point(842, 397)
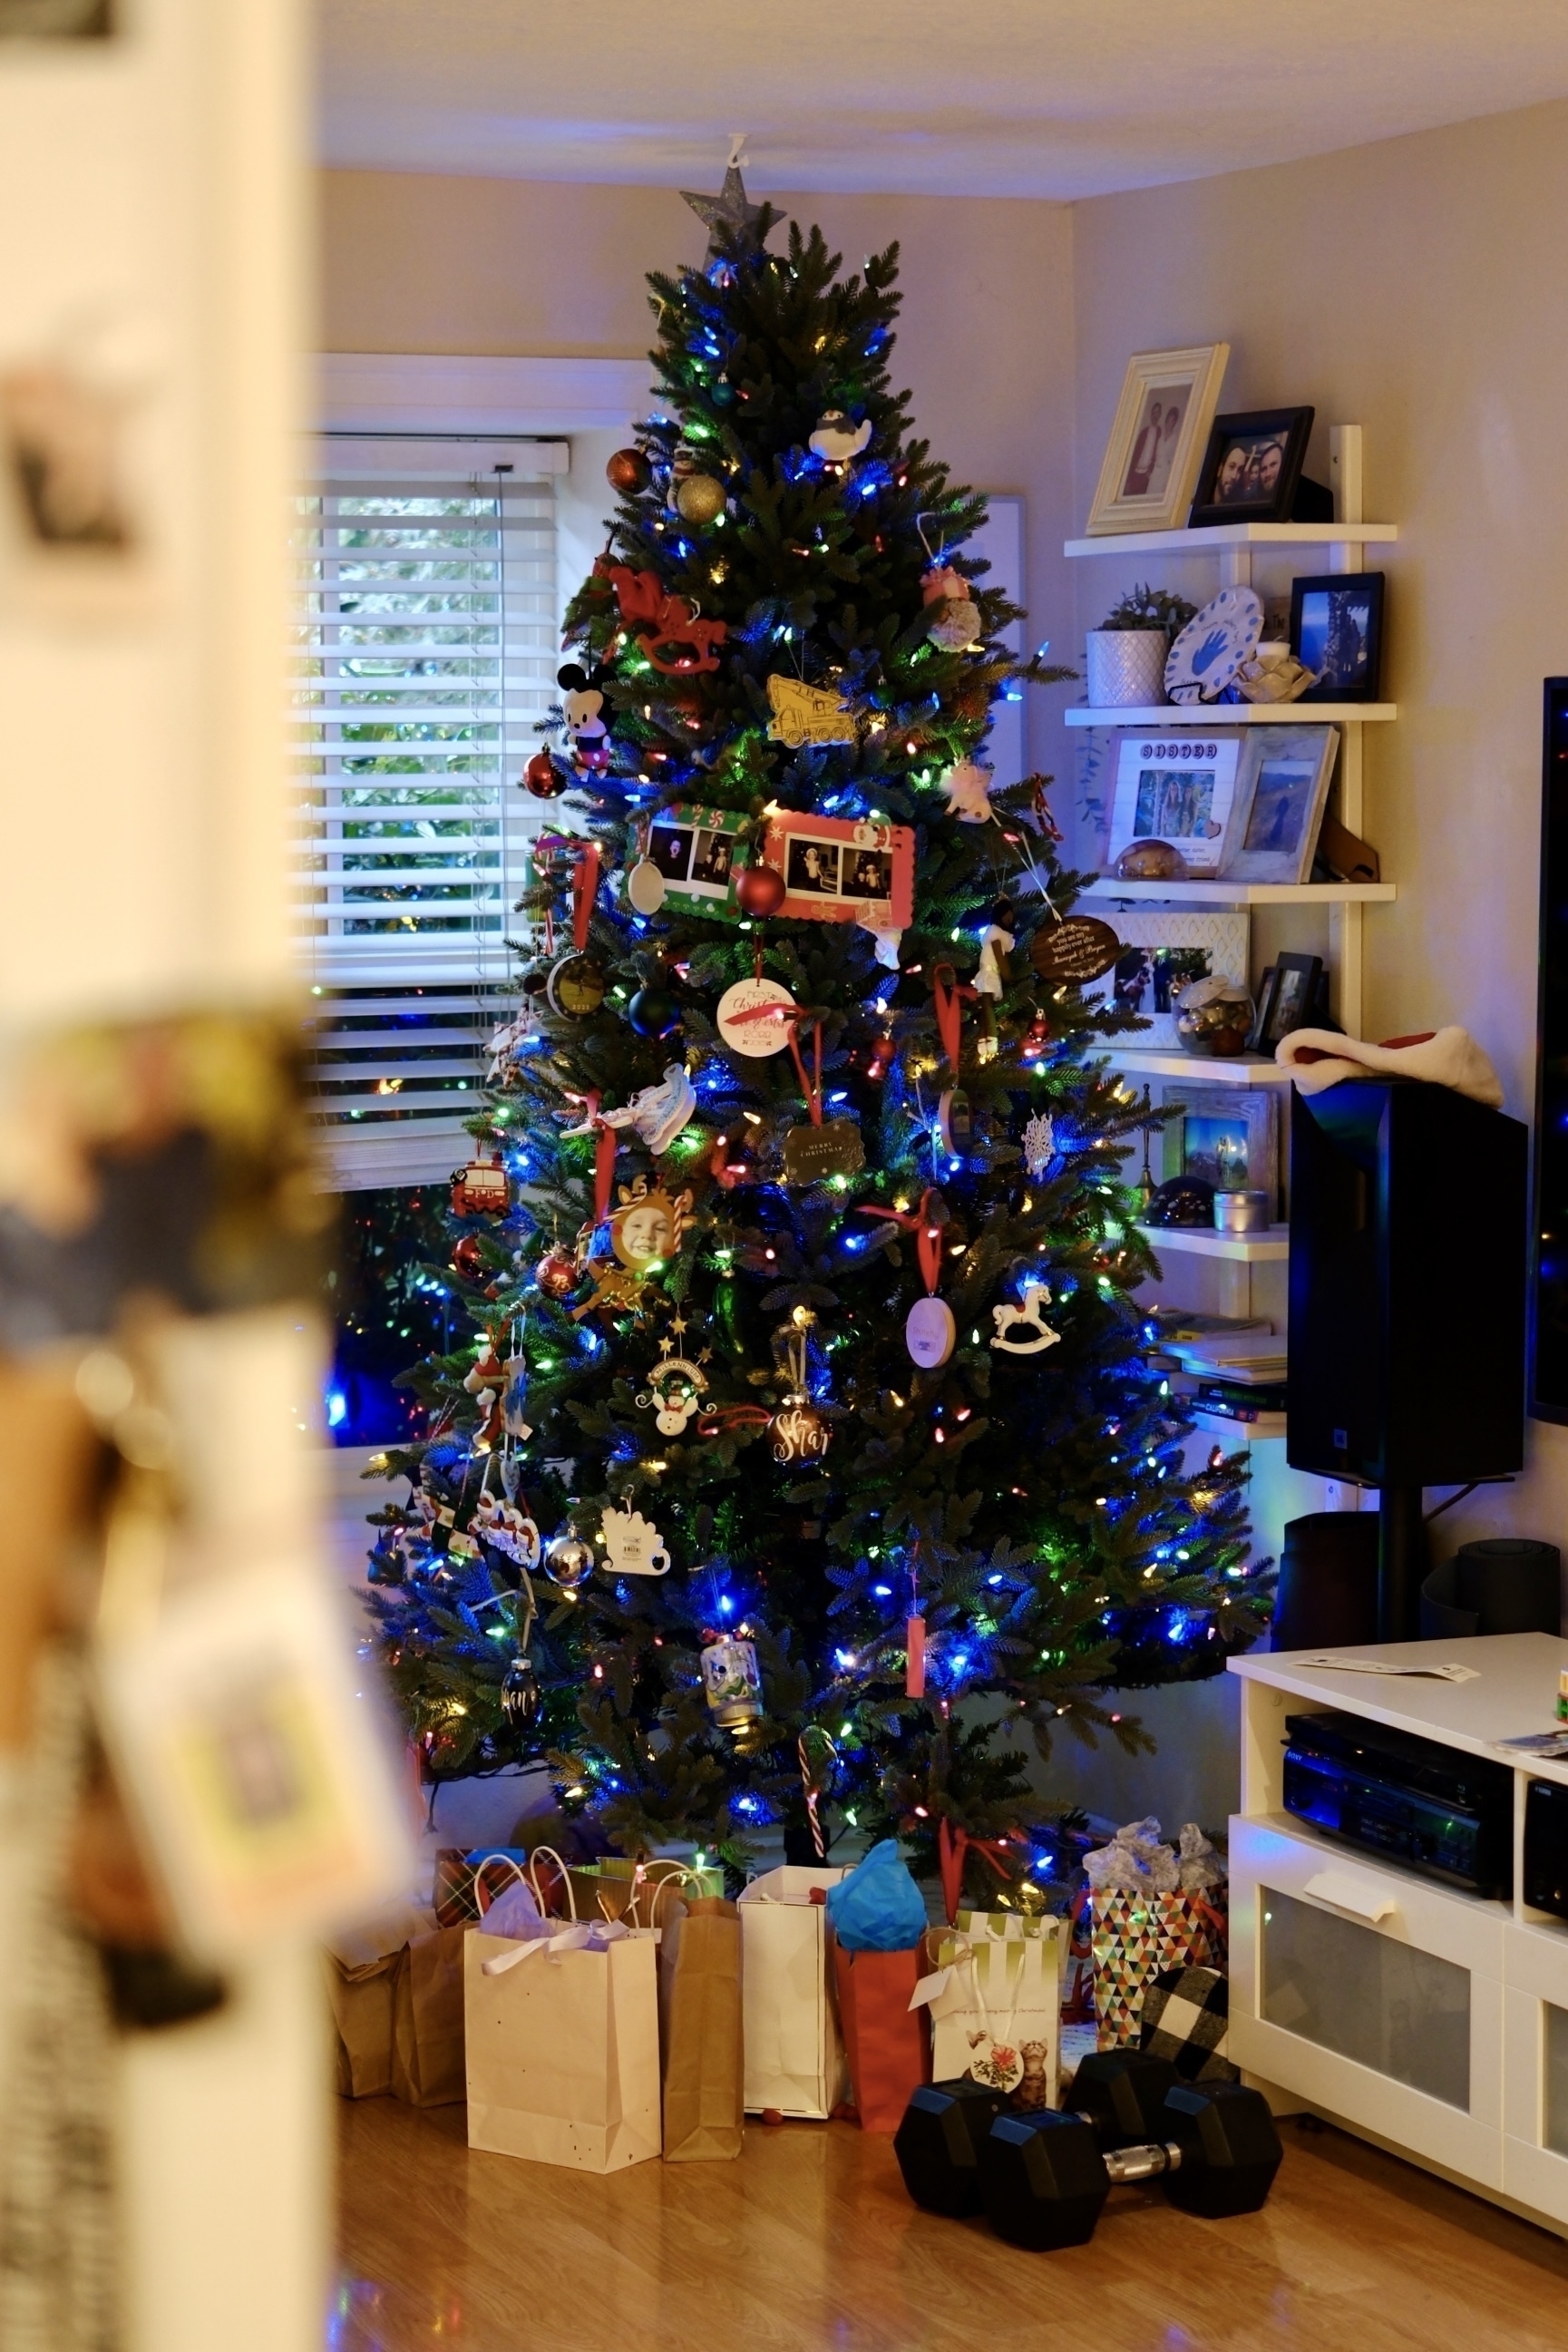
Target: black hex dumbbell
point(1044, 2179)
point(1120, 2092)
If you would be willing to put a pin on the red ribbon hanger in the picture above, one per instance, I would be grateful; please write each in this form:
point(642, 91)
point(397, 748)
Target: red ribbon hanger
point(947, 991)
point(606, 1143)
point(952, 1845)
point(810, 1088)
point(584, 890)
point(926, 1231)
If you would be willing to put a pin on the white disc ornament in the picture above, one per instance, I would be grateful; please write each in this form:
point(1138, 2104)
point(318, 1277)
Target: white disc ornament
point(929, 1333)
point(754, 1017)
point(646, 887)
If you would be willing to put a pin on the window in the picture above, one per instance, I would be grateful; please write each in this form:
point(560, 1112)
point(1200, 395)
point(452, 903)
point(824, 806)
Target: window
point(425, 657)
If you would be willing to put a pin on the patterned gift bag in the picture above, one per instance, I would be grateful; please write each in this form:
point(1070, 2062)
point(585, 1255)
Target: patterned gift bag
point(1136, 1937)
point(1187, 2016)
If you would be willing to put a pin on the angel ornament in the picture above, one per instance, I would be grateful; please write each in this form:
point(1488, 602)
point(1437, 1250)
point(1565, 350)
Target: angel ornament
point(1022, 1331)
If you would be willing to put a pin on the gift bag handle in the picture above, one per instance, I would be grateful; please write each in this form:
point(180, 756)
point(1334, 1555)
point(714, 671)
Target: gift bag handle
point(481, 1901)
point(565, 1880)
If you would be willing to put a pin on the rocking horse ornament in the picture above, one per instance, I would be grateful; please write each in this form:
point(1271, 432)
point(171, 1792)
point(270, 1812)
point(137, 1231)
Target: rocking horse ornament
point(1021, 1330)
point(662, 621)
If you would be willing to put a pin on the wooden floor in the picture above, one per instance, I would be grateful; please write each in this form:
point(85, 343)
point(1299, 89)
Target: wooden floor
point(809, 2244)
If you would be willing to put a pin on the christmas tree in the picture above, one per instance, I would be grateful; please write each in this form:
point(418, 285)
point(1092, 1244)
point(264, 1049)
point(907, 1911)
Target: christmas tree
point(801, 1270)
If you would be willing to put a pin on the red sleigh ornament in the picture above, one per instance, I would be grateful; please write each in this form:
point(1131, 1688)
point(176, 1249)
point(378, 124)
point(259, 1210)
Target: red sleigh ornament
point(661, 620)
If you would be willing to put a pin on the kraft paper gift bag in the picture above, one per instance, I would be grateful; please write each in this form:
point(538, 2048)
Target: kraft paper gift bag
point(885, 2033)
point(700, 2012)
point(563, 2046)
point(427, 2020)
point(360, 1968)
point(993, 1991)
point(794, 2051)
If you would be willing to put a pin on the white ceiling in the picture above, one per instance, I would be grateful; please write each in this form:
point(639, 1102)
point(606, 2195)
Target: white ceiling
point(1026, 98)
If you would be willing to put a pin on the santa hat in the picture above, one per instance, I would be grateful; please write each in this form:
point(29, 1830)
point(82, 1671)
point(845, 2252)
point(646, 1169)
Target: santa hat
point(1318, 1058)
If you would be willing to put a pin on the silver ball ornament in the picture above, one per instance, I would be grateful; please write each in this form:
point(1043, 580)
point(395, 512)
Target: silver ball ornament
point(569, 1562)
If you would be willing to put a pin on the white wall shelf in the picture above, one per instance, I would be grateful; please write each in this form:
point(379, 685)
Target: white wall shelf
point(1488, 1971)
point(1202, 1069)
point(1220, 893)
point(1198, 1240)
point(1206, 716)
point(1240, 1432)
point(1214, 538)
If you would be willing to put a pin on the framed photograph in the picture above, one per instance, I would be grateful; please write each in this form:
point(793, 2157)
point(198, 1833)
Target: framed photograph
point(1285, 773)
point(73, 538)
point(1180, 788)
point(1336, 628)
point(1225, 1135)
point(1163, 418)
point(1161, 952)
point(1286, 1000)
point(55, 20)
point(1252, 467)
point(838, 871)
point(695, 850)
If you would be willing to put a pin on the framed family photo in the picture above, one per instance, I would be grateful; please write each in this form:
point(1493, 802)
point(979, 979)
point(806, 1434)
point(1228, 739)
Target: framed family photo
point(1179, 788)
point(1224, 1135)
point(695, 851)
point(1252, 469)
point(1285, 780)
point(1157, 445)
point(1162, 951)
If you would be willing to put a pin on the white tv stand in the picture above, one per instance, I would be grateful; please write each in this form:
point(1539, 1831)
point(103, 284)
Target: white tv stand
point(1431, 2021)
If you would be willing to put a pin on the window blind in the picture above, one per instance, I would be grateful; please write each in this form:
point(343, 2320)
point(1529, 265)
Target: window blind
point(424, 657)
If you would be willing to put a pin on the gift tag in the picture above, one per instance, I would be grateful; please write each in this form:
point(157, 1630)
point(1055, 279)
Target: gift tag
point(929, 1333)
point(995, 2064)
point(754, 1017)
point(646, 887)
point(812, 1153)
point(577, 987)
point(1078, 949)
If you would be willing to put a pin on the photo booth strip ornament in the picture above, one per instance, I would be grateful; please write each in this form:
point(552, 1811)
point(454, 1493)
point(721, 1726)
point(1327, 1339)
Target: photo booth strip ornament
point(839, 870)
point(1209, 653)
point(1022, 1331)
point(675, 1384)
point(635, 1546)
point(808, 714)
point(697, 852)
point(757, 1017)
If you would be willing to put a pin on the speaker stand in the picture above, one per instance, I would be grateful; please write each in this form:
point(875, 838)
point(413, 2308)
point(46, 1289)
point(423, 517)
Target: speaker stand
point(1401, 1562)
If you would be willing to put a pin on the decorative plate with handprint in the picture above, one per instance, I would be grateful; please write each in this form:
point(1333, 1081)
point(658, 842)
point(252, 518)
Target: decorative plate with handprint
point(1210, 650)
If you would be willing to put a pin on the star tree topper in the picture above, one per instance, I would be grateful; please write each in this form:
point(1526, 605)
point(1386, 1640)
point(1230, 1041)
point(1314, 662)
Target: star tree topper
point(730, 209)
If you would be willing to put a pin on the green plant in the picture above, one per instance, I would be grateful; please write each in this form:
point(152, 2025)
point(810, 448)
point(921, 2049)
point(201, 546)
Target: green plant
point(1150, 608)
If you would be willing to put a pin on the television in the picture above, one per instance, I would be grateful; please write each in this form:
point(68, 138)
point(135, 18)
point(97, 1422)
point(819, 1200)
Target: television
point(1548, 1392)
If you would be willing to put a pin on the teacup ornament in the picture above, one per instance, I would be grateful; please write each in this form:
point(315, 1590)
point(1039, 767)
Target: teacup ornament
point(634, 1547)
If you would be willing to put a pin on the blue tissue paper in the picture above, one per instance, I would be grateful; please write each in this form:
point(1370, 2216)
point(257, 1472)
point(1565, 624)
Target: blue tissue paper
point(878, 1907)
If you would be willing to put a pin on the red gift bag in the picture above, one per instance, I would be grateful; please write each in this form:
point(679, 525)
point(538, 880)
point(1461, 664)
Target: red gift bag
point(884, 2039)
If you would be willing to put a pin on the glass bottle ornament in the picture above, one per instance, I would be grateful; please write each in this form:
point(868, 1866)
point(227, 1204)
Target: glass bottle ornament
point(732, 1681)
point(521, 1697)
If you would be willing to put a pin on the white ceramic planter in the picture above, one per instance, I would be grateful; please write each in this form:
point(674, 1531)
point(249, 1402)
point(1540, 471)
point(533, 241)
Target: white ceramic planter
point(1126, 665)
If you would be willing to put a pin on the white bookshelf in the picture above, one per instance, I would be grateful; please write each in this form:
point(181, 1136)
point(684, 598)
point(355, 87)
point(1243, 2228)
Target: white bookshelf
point(1198, 1069)
point(1491, 2114)
point(1239, 539)
point(1203, 718)
point(1237, 1249)
point(1219, 892)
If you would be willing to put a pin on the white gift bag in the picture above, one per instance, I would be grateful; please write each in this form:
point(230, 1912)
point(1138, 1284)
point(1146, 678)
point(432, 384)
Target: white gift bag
point(794, 2051)
point(562, 2044)
point(995, 1999)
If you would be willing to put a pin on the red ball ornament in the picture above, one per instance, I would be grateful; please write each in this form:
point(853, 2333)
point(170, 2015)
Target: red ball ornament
point(468, 1258)
point(543, 778)
point(628, 472)
point(761, 890)
point(556, 1273)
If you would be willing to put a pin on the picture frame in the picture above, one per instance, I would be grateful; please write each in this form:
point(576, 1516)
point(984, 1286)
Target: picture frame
point(1157, 439)
point(1251, 468)
point(697, 852)
point(1179, 785)
point(56, 20)
point(1225, 1136)
point(1336, 629)
point(1161, 952)
point(1287, 1000)
point(841, 870)
point(1285, 777)
point(73, 540)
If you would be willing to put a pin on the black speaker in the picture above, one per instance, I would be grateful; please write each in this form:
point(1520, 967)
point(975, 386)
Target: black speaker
point(1407, 1279)
point(1326, 1598)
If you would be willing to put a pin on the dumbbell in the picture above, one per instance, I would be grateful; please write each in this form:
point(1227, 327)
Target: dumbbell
point(1044, 2179)
point(1120, 2092)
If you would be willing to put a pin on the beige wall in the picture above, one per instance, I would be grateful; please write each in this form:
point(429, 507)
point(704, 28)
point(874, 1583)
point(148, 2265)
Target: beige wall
point(1415, 288)
point(537, 269)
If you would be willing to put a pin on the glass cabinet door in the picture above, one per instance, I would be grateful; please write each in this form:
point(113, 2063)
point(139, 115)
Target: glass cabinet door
point(1404, 2013)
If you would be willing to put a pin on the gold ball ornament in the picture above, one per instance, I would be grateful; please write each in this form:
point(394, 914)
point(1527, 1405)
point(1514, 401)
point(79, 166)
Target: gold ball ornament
point(699, 499)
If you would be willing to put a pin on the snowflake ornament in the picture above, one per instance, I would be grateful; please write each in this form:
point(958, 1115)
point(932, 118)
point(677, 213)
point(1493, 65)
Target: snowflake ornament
point(1039, 1143)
